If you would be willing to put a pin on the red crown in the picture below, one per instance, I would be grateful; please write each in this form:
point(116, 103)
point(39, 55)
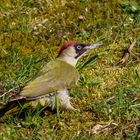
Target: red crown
point(66, 45)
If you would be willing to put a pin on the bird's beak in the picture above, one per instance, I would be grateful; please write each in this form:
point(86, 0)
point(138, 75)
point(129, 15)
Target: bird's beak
point(92, 46)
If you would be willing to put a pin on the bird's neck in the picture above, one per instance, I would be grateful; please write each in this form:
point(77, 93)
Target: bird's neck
point(68, 59)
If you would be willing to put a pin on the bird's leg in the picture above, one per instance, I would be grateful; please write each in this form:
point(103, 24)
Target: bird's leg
point(60, 99)
point(64, 99)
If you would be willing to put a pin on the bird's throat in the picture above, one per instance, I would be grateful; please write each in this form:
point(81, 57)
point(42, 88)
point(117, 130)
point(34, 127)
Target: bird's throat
point(68, 59)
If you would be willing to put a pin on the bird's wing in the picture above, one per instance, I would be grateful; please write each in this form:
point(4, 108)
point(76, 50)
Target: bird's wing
point(54, 76)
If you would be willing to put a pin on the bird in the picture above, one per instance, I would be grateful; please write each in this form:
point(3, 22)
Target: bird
point(53, 82)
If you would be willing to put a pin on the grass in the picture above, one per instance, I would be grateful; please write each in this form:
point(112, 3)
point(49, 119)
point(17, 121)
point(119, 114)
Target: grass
point(107, 94)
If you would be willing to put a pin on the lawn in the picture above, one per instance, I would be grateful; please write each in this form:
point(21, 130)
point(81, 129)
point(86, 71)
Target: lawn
point(107, 94)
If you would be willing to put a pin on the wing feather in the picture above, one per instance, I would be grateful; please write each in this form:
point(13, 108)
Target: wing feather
point(54, 76)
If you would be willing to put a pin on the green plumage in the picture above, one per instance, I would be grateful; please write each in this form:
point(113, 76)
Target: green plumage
point(53, 80)
point(56, 75)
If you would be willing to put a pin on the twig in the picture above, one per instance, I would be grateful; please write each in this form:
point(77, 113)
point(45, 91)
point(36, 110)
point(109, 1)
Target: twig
point(14, 89)
point(17, 87)
point(9, 91)
point(127, 53)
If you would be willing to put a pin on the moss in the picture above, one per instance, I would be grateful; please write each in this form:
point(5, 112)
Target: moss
point(32, 31)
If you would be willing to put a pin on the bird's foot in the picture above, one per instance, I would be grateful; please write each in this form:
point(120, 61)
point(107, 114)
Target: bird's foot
point(69, 107)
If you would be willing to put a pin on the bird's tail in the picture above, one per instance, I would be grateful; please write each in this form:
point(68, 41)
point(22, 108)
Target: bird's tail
point(14, 103)
point(11, 107)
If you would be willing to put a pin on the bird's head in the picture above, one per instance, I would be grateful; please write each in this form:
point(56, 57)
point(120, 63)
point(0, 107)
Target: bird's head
point(72, 51)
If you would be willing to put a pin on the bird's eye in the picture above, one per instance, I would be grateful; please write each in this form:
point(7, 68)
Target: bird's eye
point(79, 47)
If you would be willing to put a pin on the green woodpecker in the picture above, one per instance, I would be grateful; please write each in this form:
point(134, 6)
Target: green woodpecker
point(56, 78)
